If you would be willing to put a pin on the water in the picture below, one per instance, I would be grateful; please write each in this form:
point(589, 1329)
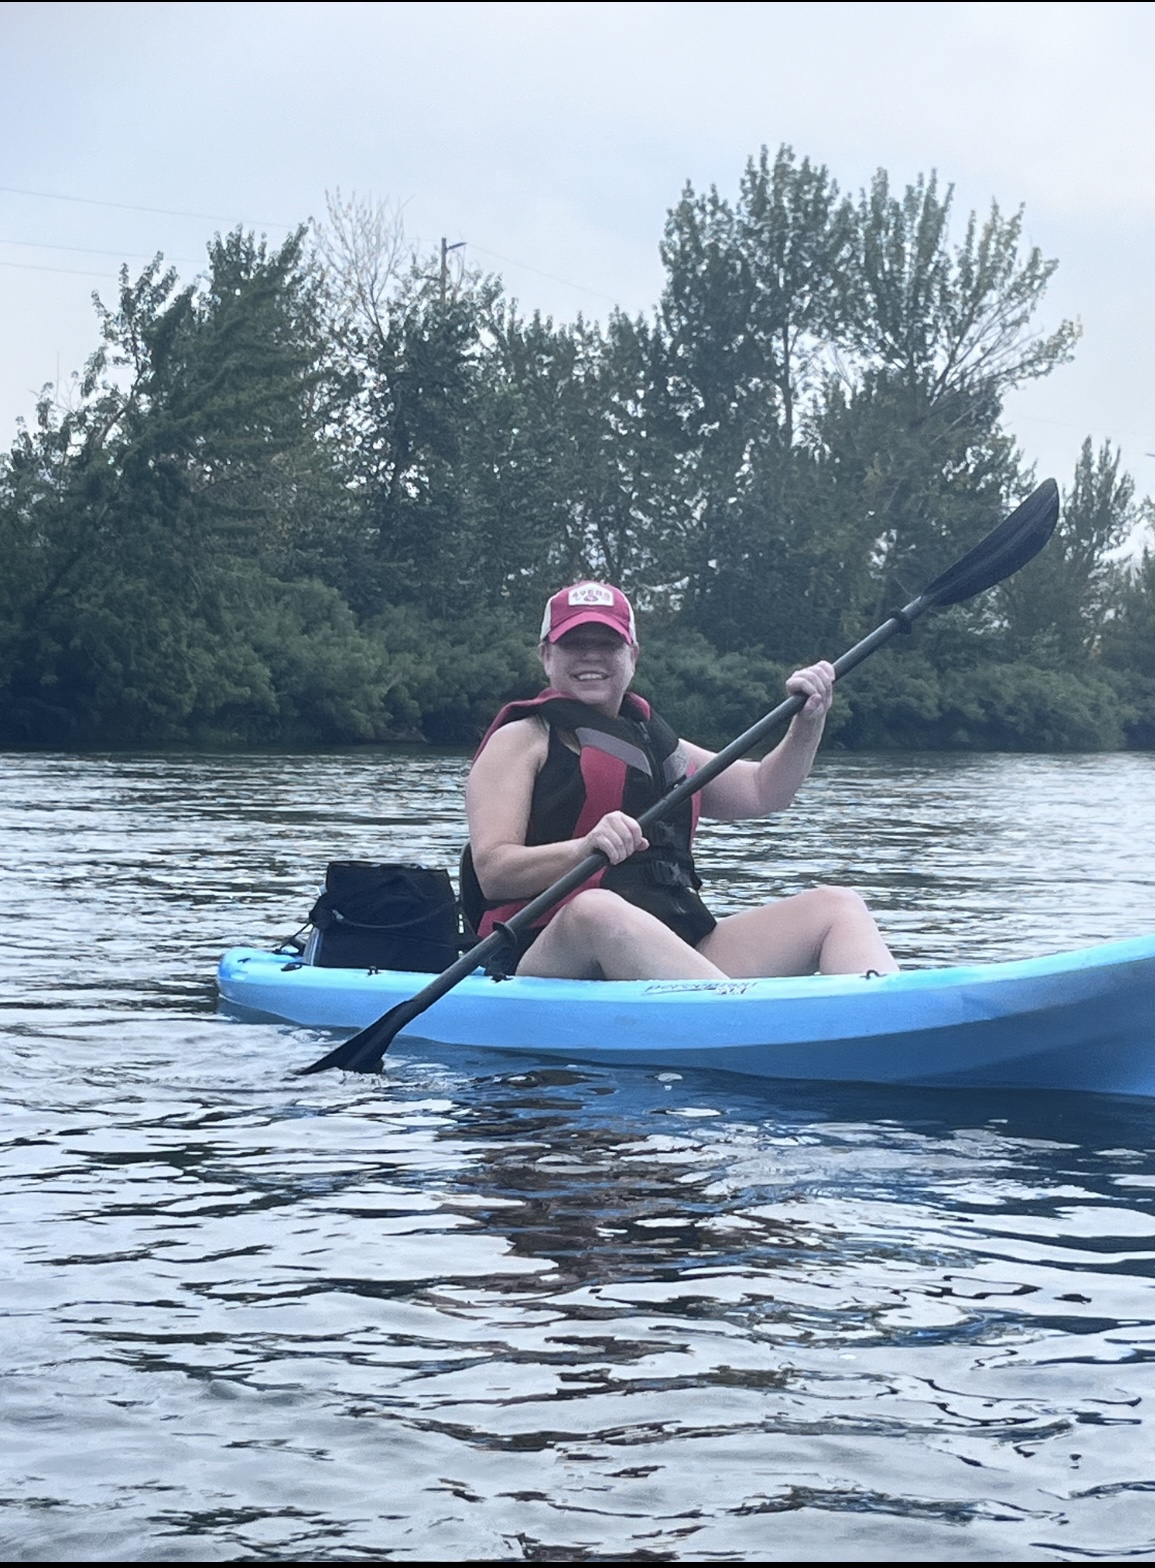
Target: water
point(489, 1310)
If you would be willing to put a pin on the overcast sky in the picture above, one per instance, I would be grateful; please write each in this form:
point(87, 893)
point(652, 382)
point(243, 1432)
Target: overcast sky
point(552, 138)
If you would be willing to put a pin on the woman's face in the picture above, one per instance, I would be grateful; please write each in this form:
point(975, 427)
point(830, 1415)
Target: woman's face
point(593, 664)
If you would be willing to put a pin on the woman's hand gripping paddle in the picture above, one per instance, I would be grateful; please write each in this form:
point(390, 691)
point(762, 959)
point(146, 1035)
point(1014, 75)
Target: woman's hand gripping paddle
point(1008, 547)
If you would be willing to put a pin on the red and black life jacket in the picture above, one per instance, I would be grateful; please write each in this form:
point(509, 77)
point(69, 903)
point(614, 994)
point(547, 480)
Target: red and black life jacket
point(623, 764)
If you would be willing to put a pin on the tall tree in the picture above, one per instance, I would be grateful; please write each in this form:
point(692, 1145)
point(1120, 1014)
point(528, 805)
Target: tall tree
point(148, 518)
point(749, 310)
point(1058, 606)
point(938, 334)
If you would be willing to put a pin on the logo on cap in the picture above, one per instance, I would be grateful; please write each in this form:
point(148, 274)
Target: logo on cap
point(590, 593)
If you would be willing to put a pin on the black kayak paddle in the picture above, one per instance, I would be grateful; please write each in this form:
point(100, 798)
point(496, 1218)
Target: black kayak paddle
point(1005, 549)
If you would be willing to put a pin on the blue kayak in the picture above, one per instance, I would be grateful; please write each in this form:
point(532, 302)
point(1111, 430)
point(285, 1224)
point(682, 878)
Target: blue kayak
point(1082, 1020)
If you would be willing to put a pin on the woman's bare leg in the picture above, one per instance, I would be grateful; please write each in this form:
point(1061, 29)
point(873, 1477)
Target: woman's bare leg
point(828, 930)
point(599, 936)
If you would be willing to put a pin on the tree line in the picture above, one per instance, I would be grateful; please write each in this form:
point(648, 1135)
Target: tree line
point(320, 495)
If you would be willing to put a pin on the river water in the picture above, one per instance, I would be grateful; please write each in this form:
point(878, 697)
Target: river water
point(485, 1309)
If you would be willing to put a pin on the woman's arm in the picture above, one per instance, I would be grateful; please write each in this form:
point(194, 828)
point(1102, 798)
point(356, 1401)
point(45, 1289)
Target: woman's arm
point(756, 789)
point(498, 797)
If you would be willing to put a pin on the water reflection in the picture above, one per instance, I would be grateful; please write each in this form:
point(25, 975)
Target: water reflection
point(485, 1310)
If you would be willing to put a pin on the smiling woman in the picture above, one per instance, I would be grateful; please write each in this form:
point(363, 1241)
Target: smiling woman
point(570, 772)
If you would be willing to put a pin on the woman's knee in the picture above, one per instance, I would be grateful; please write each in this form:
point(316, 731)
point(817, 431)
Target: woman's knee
point(842, 899)
point(844, 907)
point(596, 912)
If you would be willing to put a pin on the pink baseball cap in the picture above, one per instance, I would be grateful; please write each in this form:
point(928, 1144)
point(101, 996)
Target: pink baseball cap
point(585, 604)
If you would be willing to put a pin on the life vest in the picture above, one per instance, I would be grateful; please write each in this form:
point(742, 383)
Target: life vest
point(623, 764)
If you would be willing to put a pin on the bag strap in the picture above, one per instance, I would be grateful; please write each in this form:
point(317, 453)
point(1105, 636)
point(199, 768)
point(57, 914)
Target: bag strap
point(324, 914)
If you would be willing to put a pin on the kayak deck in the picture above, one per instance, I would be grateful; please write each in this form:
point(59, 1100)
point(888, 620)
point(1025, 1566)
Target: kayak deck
point(1082, 1020)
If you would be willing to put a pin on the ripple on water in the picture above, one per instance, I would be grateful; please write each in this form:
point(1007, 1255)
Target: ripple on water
point(479, 1310)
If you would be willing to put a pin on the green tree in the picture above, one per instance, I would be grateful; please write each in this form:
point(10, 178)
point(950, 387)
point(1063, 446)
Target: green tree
point(1127, 640)
point(322, 493)
point(1057, 607)
point(939, 333)
point(444, 392)
point(143, 520)
point(749, 310)
point(491, 455)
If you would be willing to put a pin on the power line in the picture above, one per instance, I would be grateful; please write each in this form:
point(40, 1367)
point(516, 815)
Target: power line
point(215, 217)
point(124, 206)
point(94, 250)
point(71, 272)
point(75, 272)
point(552, 276)
point(218, 217)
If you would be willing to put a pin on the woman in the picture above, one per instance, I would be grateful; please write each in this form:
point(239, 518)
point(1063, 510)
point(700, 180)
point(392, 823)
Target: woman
point(570, 771)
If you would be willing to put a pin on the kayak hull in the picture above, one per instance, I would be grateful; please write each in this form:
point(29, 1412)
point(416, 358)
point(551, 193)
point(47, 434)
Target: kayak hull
point(1083, 1020)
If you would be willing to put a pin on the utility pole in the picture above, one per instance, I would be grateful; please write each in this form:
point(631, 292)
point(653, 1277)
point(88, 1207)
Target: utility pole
point(445, 249)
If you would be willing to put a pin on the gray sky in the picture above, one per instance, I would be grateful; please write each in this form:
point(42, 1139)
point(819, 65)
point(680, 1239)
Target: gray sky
point(553, 138)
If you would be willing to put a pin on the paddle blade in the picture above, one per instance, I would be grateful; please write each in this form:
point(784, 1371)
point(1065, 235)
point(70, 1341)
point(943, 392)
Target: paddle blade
point(1005, 549)
point(362, 1052)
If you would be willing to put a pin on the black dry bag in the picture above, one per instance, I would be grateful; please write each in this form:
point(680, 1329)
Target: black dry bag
point(384, 917)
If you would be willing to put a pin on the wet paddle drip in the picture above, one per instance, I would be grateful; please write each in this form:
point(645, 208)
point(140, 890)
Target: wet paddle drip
point(486, 1310)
